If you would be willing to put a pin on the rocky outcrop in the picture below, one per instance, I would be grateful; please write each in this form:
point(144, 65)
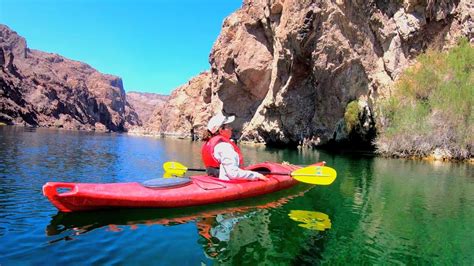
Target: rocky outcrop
point(48, 90)
point(185, 113)
point(145, 103)
point(288, 69)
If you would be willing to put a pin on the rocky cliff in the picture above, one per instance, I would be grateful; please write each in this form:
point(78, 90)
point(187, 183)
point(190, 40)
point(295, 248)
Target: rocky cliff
point(145, 104)
point(48, 90)
point(185, 113)
point(289, 69)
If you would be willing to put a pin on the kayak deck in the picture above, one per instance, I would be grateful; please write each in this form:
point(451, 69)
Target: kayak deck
point(202, 190)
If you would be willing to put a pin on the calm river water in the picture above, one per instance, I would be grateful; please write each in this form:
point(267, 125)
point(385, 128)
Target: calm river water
point(378, 211)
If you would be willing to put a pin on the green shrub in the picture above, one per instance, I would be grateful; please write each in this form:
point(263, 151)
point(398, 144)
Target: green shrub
point(431, 106)
point(351, 116)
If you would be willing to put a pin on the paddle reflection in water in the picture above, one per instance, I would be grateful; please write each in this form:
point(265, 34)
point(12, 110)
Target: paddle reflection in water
point(311, 220)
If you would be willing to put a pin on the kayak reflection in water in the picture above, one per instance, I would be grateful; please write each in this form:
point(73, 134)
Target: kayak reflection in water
point(220, 155)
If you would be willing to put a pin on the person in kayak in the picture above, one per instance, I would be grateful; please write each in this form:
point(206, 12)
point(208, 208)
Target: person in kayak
point(220, 155)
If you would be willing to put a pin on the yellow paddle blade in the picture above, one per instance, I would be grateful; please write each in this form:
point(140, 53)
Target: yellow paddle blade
point(311, 220)
point(174, 169)
point(168, 175)
point(317, 175)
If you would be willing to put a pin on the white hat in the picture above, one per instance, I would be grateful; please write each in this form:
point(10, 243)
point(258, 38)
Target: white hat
point(217, 121)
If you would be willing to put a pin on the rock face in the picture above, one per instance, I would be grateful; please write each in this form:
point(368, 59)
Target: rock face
point(145, 104)
point(48, 90)
point(185, 113)
point(289, 68)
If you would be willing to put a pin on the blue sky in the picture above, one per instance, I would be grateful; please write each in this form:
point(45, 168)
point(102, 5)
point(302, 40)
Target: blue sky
point(155, 46)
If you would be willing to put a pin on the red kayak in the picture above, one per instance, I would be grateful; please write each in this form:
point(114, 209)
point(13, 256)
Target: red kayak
point(200, 190)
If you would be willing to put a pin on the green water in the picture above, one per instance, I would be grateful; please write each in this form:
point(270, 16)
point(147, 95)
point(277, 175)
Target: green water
point(379, 211)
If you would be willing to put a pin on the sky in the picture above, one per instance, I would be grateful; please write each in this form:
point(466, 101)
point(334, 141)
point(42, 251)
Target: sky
point(153, 45)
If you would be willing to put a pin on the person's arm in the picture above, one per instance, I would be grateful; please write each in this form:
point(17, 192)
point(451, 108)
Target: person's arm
point(229, 168)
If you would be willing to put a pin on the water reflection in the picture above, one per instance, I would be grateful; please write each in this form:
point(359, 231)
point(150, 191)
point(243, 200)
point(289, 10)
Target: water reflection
point(41, 150)
point(402, 211)
point(381, 211)
point(312, 220)
point(256, 154)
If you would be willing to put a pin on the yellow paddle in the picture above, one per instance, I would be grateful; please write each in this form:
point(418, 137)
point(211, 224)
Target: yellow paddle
point(317, 175)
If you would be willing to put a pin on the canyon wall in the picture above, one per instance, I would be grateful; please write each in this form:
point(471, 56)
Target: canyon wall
point(289, 69)
point(47, 90)
point(185, 113)
point(145, 103)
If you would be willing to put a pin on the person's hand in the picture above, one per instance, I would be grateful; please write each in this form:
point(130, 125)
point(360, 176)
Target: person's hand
point(261, 177)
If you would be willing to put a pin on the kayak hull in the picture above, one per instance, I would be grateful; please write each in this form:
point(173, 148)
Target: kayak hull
point(202, 190)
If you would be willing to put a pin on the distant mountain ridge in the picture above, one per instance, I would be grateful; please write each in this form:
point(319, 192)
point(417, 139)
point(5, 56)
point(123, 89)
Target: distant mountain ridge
point(48, 90)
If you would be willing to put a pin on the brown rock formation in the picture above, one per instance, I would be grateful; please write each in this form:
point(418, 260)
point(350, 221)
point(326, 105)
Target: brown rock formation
point(145, 104)
point(185, 113)
point(289, 68)
point(48, 90)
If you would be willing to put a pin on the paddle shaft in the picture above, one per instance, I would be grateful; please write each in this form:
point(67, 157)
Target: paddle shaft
point(290, 174)
point(197, 169)
point(262, 172)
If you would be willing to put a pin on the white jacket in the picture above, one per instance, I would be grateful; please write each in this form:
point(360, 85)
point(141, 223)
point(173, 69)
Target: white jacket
point(229, 163)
